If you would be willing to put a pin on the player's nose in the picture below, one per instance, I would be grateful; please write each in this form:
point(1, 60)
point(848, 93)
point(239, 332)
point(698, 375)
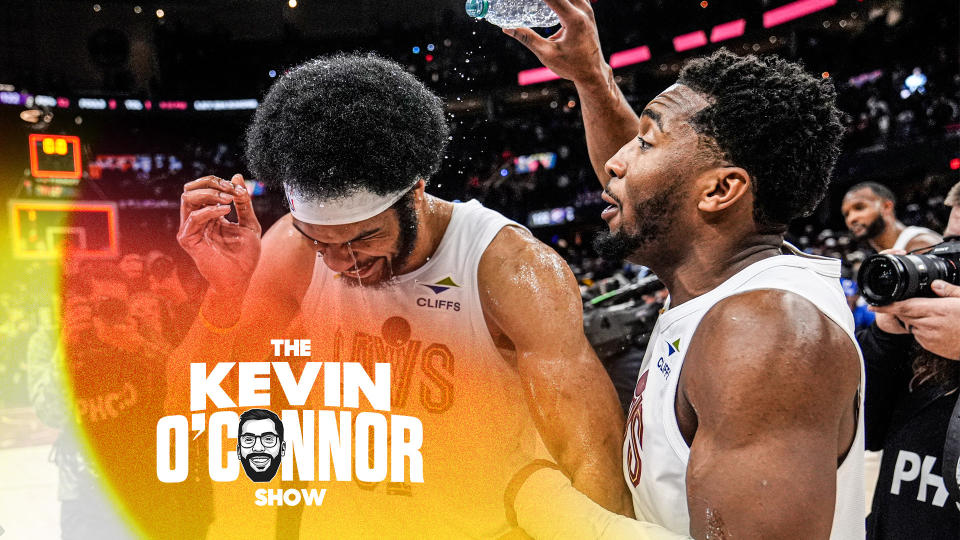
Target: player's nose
point(339, 258)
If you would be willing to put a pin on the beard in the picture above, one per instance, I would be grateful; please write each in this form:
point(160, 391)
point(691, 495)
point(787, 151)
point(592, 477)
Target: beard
point(874, 229)
point(265, 475)
point(652, 217)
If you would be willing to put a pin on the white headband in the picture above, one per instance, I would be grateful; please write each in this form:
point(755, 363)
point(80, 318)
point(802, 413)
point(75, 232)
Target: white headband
point(351, 208)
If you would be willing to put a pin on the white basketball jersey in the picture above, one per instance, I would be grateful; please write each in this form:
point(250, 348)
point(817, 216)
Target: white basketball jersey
point(447, 372)
point(655, 454)
point(909, 234)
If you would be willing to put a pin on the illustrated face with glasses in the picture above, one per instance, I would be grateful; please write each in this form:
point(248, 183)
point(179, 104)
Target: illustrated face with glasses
point(260, 444)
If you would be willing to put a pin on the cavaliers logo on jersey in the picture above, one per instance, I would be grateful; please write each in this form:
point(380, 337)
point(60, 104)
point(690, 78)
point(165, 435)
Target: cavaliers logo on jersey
point(634, 433)
point(425, 368)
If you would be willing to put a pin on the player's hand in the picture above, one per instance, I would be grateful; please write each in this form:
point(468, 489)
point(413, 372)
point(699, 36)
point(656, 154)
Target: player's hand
point(225, 253)
point(934, 322)
point(573, 52)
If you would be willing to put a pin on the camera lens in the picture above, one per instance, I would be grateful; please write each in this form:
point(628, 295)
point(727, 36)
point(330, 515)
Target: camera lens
point(881, 278)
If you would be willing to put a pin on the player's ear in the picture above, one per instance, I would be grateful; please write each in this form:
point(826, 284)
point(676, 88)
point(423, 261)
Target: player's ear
point(283, 448)
point(721, 187)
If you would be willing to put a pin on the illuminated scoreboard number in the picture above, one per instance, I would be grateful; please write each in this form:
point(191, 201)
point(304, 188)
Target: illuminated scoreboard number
point(55, 156)
point(49, 229)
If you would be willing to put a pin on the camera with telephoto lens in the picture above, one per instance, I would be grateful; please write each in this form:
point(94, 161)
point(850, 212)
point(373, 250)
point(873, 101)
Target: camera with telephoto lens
point(884, 279)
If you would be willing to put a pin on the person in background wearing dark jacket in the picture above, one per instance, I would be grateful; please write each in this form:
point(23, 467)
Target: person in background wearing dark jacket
point(913, 376)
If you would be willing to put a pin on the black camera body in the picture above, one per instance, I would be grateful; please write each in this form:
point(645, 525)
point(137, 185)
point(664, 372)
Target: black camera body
point(884, 279)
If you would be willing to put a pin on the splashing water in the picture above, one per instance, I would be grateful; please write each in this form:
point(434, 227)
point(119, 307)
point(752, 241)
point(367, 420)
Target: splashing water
point(356, 267)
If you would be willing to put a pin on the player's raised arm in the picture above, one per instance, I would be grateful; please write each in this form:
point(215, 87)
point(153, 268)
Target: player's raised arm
point(764, 460)
point(252, 282)
point(573, 53)
point(532, 296)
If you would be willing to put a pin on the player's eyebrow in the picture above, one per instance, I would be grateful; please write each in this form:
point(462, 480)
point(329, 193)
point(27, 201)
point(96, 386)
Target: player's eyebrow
point(358, 237)
point(655, 116)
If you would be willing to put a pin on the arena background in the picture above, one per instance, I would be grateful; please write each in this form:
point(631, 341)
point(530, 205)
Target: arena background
point(159, 92)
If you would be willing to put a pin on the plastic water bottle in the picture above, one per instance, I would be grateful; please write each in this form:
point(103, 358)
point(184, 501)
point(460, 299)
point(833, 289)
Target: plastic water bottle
point(513, 13)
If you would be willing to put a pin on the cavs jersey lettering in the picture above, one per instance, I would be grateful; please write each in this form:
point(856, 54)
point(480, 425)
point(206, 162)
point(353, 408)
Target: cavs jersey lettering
point(445, 370)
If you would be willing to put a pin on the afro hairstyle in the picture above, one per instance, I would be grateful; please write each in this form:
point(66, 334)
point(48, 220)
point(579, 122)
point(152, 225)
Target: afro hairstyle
point(779, 123)
point(338, 124)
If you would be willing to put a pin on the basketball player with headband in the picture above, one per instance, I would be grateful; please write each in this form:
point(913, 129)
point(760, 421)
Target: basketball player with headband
point(481, 323)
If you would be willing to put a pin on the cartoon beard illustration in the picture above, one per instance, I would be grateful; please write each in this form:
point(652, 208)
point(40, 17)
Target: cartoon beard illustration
point(260, 467)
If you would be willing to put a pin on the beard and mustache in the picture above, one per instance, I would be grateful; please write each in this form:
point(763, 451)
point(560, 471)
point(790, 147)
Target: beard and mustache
point(873, 230)
point(260, 476)
point(651, 218)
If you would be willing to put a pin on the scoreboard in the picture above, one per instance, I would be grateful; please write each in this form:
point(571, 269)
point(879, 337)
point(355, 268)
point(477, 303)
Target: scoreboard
point(55, 156)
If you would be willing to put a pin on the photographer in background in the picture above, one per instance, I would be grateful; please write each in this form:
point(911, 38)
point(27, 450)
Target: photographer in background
point(913, 376)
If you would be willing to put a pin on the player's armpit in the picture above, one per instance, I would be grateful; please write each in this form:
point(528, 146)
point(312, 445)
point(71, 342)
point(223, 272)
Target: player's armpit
point(528, 291)
point(773, 383)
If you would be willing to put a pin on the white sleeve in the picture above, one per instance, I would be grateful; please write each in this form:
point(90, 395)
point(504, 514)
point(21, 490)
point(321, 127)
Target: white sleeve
point(549, 507)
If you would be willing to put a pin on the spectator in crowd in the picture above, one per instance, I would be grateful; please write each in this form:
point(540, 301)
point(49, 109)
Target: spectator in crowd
point(953, 201)
point(868, 209)
point(111, 361)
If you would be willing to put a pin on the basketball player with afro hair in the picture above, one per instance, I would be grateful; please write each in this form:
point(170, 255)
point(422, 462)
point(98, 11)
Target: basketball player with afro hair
point(481, 323)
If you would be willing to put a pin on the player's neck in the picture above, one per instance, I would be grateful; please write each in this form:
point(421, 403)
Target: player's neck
point(888, 237)
point(434, 216)
point(708, 264)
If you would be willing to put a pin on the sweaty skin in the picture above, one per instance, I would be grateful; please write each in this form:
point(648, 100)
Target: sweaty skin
point(529, 298)
point(766, 424)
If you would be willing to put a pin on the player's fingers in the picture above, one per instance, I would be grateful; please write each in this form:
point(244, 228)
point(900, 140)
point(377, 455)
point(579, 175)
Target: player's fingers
point(211, 182)
point(246, 217)
point(191, 230)
point(565, 9)
point(582, 4)
point(198, 198)
point(558, 35)
point(530, 39)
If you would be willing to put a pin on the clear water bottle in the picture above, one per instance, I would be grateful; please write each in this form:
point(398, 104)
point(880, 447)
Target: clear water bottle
point(513, 13)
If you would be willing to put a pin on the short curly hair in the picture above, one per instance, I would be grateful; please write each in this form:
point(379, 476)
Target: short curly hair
point(880, 190)
point(339, 123)
point(778, 122)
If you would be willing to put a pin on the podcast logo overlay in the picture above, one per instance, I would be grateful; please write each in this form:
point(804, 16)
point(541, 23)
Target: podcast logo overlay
point(340, 441)
point(260, 444)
